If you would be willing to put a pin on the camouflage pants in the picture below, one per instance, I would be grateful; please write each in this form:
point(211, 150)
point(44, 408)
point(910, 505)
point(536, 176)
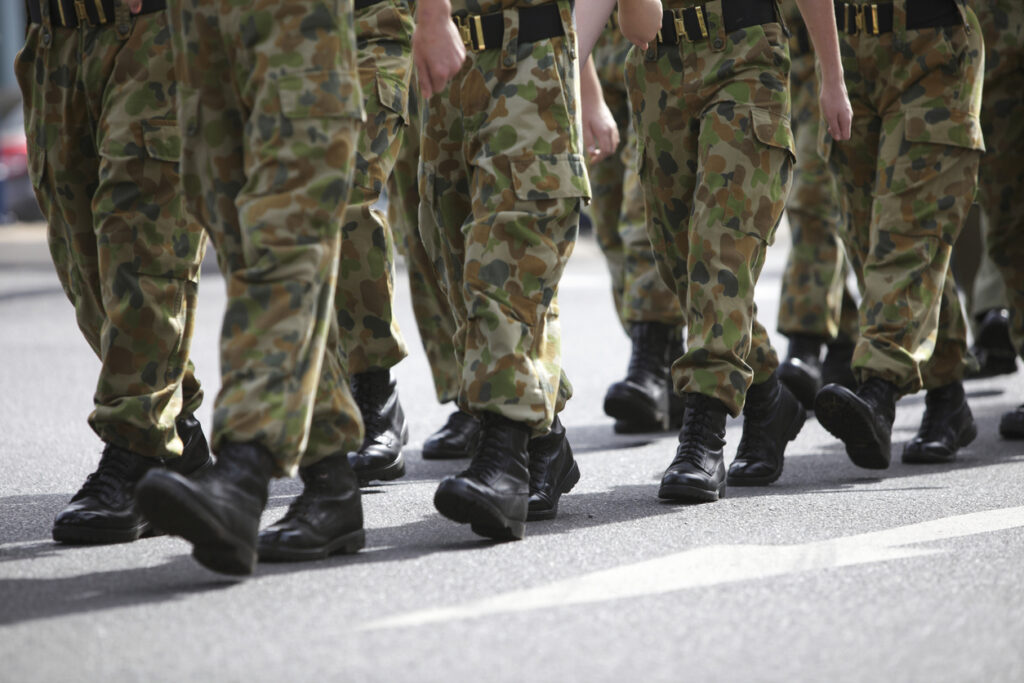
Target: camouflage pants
point(716, 155)
point(429, 304)
point(499, 219)
point(370, 336)
point(814, 299)
point(270, 105)
point(617, 208)
point(907, 178)
point(1001, 175)
point(103, 152)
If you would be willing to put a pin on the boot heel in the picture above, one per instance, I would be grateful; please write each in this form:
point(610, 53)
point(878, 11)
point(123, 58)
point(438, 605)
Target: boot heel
point(571, 479)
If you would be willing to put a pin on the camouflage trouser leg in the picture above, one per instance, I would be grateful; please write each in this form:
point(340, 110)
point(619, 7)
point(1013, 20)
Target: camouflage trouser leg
point(267, 163)
point(814, 300)
point(103, 147)
point(907, 184)
point(988, 290)
point(370, 336)
point(429, 304)
point(617, 210)
point(1001, 177)
point(716, 172)
point(499, 221)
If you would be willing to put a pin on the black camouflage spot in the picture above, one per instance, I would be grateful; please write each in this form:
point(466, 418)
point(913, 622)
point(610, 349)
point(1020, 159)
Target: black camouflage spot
point(148, 373)
point(885, 245)
point(737, 381)
point(316, 21)
point(937, 115)
point(182, 245)
point(717, 330)
point(727, 110)
point(667, 163)
point(945, 203)
point(260, 294)
point(495, 273)
point(266, 125)
point(729, 281)
point(336, 192)
point(378, 327)
point(769, 80)
point(700, 274)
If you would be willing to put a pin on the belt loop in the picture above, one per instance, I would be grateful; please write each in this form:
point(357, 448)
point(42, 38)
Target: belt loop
point(565, 12)
point(713, 23)
point(122, 19)
point(510, 38)
point(899, 22)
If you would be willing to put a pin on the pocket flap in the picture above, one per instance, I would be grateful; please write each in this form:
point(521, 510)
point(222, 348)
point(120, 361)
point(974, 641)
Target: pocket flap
point(773, 130)
point(393, 94)
point(944, 127)
point(550, 176)
point(319, 93)
point(162, 140)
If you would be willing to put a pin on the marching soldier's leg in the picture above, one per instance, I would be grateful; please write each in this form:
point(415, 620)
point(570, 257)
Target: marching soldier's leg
point(103, 156)
point(429, 304)
point(269, 137)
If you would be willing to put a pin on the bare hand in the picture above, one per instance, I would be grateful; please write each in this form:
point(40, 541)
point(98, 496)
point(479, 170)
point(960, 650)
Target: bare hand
point(836, 110)
point(600, 133)
point(437, 49)
point(135, 6)
point(640, 21)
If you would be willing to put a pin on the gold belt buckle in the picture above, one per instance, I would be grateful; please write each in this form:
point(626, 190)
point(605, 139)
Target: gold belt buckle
point(858, 15)
point(677, 21)
point(466, 26)
point(83, 16)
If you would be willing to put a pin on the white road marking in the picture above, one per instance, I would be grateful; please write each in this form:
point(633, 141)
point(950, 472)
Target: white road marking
point(720, 564)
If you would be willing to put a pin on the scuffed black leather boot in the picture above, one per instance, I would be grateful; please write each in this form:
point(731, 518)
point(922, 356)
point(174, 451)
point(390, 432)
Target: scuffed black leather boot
point(772, 417)
point(1011, 424)
point(492, 494)
point(993, 347)
point(861, 420)
point(325, 519)
point(697, 474)
point(836, 368)
point(641, 402)
point(454, 440)
point(103, 510)
point(218, 511)
point(553, 471)
point(801, 371)
point(380, 456)
point(947, 426)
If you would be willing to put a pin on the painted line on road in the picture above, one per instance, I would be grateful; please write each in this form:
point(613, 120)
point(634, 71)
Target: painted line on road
point(719, 564)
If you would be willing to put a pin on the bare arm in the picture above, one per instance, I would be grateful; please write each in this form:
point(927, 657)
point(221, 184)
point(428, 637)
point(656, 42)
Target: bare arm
point(600, 132)
point(591, 16)
point(640, 21)
point(820, 18)
point(437, 49)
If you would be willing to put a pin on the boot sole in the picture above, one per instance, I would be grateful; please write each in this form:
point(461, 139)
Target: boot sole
point(83, 535)
point(636, 413)
point(914, 456)
point(794, 430)
point(466, 507)
point(176, 510)
point(568, 482)
point(347, 544)
point(690, 494)
point(848, 422)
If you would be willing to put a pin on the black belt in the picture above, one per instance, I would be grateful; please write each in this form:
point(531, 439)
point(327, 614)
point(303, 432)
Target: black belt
point(486, 31)
point(690, 23)
point(71, 13)
point(853, 18)
point(363, 4)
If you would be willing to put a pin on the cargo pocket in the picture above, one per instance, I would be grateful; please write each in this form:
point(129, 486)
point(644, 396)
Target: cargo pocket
point(550, 176)
point(319, 93)
point(393, 94)
point(162, 139)
point(944, 127)
point(774, 131)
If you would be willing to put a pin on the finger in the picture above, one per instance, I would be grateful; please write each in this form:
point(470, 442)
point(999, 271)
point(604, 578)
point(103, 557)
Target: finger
point(135, 6)
point(423, 75)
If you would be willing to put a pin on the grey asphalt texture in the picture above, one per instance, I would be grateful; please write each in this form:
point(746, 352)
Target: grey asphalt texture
point(946, 609)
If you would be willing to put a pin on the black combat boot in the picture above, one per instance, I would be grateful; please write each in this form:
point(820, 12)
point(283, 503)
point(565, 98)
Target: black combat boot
point(801, 371)
point(1011, 424)
point(492, 494)
point(103, 510)
point(861, 420)
point(772, 417)
point(836, 369)
point(218, 511)
point(992, 347)
point(697, 474)
point(553, 471)
point(325, 519)
point(641, 402)
point(947, 425)
point(454, 440)
point(380, 456)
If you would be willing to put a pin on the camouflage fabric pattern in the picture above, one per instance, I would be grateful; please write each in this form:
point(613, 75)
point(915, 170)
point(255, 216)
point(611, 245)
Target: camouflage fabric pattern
point(270, 106)
point(1001, 175)
point(716, 151)
point(502, 181)
point(434, 318)
point(814, 299)
point(370, 336)
point(617, 207)
point(907, 178)
point(103, 151)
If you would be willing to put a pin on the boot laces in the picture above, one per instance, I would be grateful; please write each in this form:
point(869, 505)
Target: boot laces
point(116, 470)
point(488, 463)
point(370, 394)
point(649, 352)
point(697, 425)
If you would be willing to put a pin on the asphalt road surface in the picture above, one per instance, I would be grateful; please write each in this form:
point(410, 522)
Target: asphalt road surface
point(832, 573)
